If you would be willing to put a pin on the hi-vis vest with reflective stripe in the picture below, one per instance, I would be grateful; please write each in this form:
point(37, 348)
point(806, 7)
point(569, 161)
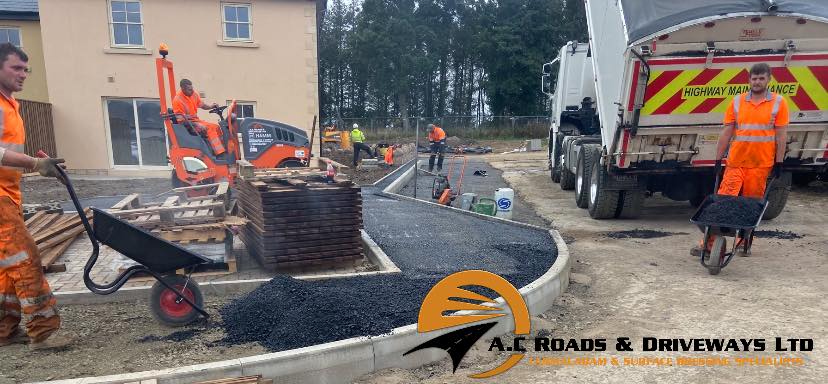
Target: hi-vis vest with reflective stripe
point(12, 138)
point(754, 139)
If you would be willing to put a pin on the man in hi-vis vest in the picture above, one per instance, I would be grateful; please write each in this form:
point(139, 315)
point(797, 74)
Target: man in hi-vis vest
point(187, 102)
point(755, 129)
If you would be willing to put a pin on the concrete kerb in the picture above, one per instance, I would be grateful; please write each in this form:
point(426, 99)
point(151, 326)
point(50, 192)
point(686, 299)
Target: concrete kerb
point(219, 288)
point(345, 360)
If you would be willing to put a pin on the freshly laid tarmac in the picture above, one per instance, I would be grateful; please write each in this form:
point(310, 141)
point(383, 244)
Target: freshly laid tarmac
point(425, 241)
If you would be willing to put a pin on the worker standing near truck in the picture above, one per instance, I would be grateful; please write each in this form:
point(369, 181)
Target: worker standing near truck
point(24, 291)
point(187, 102)
point(755, 129)
point(358, 141)
point(437, 140)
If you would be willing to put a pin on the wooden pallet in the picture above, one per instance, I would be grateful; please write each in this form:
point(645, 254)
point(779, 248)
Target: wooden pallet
point(53, 233)
point(176, 210)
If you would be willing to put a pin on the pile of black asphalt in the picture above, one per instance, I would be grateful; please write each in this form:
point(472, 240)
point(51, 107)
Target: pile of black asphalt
point(732, 211)
point(426, 242)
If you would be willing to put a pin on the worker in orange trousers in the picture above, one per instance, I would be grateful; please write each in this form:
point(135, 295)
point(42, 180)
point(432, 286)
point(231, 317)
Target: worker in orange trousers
point(186, 103)
point(755, 129)
point(24, 291)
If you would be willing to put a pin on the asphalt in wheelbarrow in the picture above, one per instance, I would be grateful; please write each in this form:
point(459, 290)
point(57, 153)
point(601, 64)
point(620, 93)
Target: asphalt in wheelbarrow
point(731, 211)
point(426, 242)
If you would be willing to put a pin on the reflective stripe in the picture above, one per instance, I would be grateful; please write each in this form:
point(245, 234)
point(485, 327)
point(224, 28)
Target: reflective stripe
point(48, 312)
point(775, 110)
point(9, 299)
point(736, 104)
point(186, 105)
point(12, 146)
point(14, 260)
point(35, 301)
point(754, 127)
point(9, 312)
point(755, 139)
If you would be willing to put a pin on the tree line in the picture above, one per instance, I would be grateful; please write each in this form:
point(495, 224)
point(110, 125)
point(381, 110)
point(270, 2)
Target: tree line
point(401, 58)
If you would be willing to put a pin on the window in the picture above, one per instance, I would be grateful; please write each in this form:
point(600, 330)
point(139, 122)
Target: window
point(244, 109)
point(136, 132)
point(237, 22)
point(126, 23)
point(10, 35)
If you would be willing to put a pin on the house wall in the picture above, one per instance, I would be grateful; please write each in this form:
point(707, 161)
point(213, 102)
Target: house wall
point(278, 71)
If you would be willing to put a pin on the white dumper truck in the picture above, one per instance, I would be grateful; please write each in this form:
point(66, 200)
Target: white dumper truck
point(639, 109)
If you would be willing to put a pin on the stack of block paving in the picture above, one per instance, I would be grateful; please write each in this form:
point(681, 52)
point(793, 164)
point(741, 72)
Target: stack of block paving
point(298, 219)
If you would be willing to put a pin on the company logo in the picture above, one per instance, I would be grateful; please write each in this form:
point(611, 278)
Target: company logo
point(504, 203)
point(456, 293)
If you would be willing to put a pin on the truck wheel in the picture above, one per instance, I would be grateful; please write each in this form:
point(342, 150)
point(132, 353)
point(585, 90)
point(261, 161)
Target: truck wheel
point(630, 204)
point(555, 154)
point(602, 203)
point(778, 196)
point(582, 176)
point(567, 180)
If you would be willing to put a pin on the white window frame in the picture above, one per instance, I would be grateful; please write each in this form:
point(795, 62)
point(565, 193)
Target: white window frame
point(112, 23)
point(108, 130)
point(19, 34)
point(249, 22)
point(239, 103)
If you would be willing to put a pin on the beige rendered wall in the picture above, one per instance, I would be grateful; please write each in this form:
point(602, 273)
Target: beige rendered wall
point(279, 72)
point(35, 86)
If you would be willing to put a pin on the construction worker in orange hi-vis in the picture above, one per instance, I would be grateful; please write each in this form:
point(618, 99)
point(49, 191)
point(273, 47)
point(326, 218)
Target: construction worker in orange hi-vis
point(24, 291)
point(187, 102)
point(755, 129)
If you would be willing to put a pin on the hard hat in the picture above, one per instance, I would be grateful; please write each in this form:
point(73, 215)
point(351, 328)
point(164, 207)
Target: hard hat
point(356, 125)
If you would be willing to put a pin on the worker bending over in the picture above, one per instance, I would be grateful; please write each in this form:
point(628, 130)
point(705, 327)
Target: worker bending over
point(755, 128)
point(186, 103)
point(437, 140)
point(358, 142)
point(24, 291)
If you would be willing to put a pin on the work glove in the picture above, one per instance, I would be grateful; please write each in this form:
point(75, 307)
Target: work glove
point(776, 172)
point(47, 166)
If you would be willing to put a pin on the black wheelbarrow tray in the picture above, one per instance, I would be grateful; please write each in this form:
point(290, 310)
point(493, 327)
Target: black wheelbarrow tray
point(721, 230)
point(175, 299)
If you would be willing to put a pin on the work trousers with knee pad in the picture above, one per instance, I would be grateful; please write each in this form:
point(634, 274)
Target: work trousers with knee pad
point(24, 291)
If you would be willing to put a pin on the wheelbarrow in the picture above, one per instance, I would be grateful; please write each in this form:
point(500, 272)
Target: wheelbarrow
point(717, 256)
point(175, 299)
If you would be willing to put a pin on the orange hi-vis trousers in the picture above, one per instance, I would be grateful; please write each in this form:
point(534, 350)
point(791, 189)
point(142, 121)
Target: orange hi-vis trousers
point(740, 181)
point(751, 182)
point(213, 136)
point(24, 291)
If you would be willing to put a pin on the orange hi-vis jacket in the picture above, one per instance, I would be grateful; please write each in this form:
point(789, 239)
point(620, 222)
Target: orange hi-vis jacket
point(187, 105)
point(12, 137)
point(437, 135)
point(754, 136)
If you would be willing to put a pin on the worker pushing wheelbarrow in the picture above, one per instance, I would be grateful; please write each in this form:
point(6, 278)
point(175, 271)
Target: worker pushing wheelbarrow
point(754, 135)
point(720, 216)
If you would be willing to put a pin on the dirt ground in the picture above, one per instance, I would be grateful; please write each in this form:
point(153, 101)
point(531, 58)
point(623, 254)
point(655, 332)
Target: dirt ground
point(107, 327)
point(651, 287)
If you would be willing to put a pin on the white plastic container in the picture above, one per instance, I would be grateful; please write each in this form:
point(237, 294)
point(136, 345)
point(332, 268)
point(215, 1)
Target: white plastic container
point(505, 200)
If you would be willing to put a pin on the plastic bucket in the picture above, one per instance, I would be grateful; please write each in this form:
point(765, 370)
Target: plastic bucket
point(485, 206)
point(505, 199)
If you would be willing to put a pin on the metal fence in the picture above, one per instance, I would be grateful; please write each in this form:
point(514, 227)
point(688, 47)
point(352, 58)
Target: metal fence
point(40, 131)
point(472, 127)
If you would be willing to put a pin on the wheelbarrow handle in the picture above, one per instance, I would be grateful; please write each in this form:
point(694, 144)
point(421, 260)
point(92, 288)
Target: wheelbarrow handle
point(77, 204)
point(717, 170)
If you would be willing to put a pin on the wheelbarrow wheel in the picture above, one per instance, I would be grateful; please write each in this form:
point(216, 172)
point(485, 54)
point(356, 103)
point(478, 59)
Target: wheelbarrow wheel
point(715, 257)
point(168, 308)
